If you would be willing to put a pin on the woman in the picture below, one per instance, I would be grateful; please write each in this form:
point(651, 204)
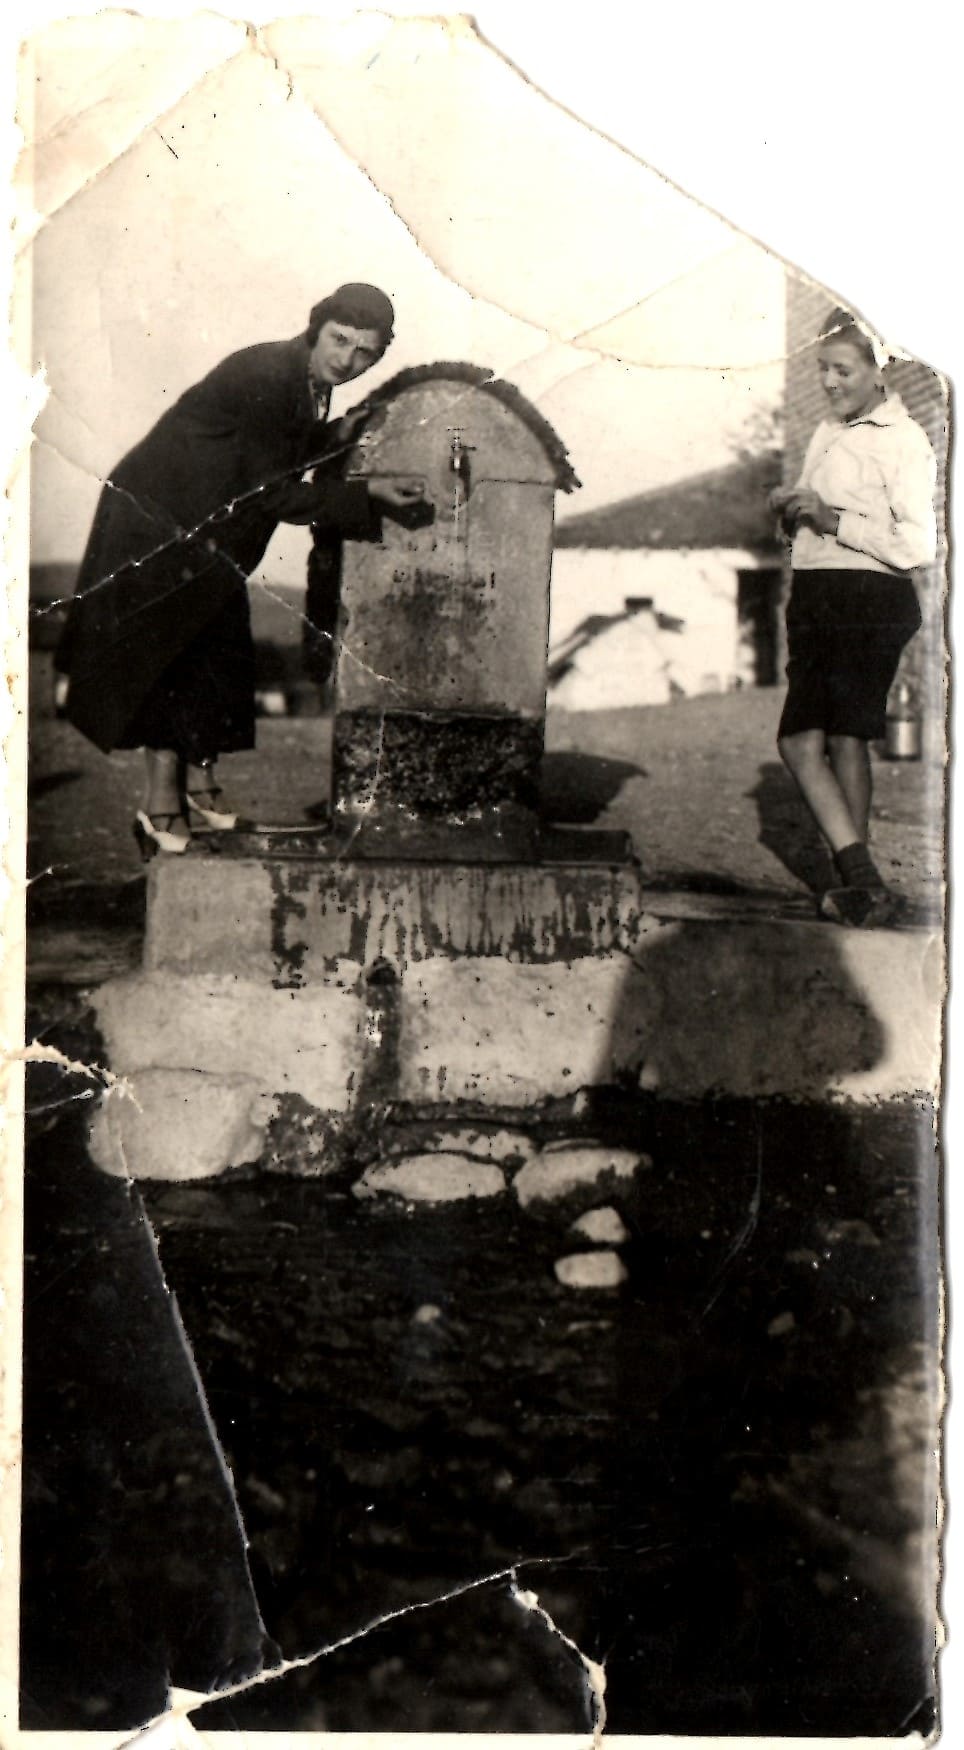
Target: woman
point(861, 517)
point(158, 644)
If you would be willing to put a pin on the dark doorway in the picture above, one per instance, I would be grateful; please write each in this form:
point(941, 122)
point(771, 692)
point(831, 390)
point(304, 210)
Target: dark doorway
point(758, 611)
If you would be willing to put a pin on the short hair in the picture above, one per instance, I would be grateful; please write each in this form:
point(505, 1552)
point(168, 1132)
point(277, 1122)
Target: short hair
point(358, 306)
point(843, 326)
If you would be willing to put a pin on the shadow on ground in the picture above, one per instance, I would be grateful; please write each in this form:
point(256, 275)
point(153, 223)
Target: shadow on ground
point(787, 829)
point(50, 782)
point(577, 787)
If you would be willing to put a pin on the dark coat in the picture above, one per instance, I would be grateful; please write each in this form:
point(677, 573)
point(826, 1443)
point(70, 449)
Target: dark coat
point(185, 518)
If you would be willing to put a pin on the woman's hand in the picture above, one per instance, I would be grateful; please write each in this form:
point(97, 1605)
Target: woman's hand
point(344, 430)
point(404, 498)
point(400, 493)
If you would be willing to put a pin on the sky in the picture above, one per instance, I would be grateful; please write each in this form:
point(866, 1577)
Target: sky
point(200, 194)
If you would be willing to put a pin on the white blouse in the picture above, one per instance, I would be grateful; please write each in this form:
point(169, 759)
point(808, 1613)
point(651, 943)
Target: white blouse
point(879, 472)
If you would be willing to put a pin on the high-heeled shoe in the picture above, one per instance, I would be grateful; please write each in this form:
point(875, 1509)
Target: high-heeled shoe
point(216, 819)
point(153, 833)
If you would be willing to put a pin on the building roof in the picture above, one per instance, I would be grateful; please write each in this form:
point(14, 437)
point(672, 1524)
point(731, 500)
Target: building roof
point(726, 507)
point(486, 380)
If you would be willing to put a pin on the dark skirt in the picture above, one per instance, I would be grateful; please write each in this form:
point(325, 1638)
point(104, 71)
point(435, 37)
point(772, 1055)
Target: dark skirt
point(319, 627)
point(203, 704)
point(845, 633)
point(157, 644)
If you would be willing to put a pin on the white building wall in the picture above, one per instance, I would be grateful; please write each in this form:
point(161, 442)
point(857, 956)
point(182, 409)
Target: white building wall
point(638, 662)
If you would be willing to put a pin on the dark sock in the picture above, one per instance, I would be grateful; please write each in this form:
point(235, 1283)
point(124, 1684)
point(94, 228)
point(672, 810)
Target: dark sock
point(856, 867)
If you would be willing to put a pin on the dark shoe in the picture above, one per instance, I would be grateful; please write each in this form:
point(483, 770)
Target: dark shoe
point(153, 833)
point(859, 908)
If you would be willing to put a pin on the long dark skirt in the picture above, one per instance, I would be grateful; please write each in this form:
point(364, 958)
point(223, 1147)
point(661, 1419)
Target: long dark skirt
point(203, 705)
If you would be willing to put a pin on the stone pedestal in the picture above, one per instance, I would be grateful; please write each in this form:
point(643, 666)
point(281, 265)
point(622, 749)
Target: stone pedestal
point(487, 987)
point(345, 984)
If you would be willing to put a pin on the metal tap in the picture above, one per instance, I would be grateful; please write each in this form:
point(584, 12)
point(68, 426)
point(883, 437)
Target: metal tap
point(459, 464)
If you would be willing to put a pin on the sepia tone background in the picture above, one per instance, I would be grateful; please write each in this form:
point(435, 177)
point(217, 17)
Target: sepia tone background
point(870, 311)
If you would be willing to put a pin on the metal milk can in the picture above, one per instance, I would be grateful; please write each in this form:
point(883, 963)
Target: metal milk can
point(902, 733)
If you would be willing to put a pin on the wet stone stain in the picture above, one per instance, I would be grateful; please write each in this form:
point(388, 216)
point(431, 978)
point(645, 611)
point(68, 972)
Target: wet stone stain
point(439, 762)
point(379, 1073)
point(288, 884)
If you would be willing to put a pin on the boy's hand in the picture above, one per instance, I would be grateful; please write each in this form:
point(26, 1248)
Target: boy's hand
point(803, 505)
point(778, 502)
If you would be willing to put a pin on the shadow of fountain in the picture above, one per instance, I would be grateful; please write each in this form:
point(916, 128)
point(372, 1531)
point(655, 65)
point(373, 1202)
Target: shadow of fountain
point(576, 787)
point(783, 1258)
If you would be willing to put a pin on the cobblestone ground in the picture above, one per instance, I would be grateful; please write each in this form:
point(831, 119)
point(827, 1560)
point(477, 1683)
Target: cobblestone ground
point(715, 1475)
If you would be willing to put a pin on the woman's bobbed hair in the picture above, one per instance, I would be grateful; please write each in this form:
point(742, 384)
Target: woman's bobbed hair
point(357, 306)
